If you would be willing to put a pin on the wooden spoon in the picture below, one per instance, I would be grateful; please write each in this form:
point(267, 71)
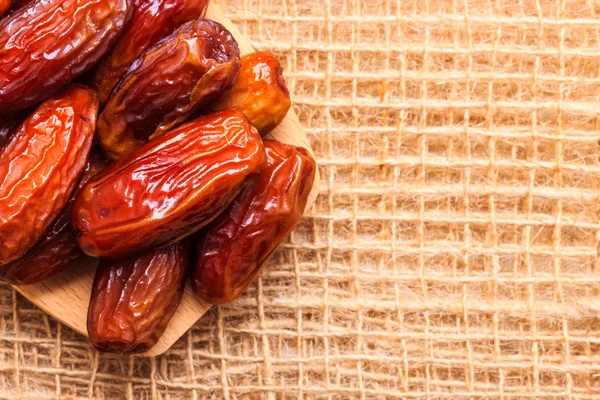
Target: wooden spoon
point(67, 295)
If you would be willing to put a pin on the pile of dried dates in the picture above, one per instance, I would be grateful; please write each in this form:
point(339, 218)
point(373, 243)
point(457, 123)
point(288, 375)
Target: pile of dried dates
point(130, 131)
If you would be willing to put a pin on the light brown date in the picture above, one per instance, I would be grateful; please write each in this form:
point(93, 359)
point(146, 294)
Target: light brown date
point(151, 21)
point(168, 188)
point(168, 84)
point(41, 165)
point(259, 92)
point(133, 299)
point(57, 249)
point(233, 248)
point(47, 43)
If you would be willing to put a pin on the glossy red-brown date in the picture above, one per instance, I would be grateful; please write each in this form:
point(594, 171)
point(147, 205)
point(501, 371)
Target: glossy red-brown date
point(151, 21)
point(41, 165)
point(133, 299)
point(168, 84)
point(168, 188)
point(231, 250)
point(48, 43)
point(259, 92)
point(57, 249)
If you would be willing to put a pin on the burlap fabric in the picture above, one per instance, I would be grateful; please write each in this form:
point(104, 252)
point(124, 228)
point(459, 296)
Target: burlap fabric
point(453, 251)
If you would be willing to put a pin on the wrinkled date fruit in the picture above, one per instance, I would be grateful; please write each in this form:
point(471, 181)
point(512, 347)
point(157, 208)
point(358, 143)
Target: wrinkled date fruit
point(259, 92)
point(41, 165)
point(168, 84)
point(233, 248)
point(48, 43)
point(151, 21)
point(133, 299)
point(57, 249)
point(168, 188)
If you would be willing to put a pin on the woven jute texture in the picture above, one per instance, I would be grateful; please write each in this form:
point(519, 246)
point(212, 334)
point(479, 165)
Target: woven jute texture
point(453, 251)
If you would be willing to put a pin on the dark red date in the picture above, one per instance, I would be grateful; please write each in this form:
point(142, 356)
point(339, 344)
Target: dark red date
point(48, 43)
point(168, 84)
point(41, 165)
point(57, 249)
point(151, 21)
point(232, 249)
point(133, 299)
point(168, 188)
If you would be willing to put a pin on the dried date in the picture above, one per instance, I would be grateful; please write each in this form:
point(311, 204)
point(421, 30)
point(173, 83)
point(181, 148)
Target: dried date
point(151, 21)
point(259, 92)
point(133, 299)
point(231, 250)
point(47, 43)
point(168, 188)
point(57, 249)
point(168, 84)
point(41, 165)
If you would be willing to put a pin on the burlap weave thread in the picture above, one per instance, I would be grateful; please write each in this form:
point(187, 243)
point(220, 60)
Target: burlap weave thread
point(453, 251)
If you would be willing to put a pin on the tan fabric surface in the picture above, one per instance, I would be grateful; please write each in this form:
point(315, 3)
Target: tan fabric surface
point(453, 251)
